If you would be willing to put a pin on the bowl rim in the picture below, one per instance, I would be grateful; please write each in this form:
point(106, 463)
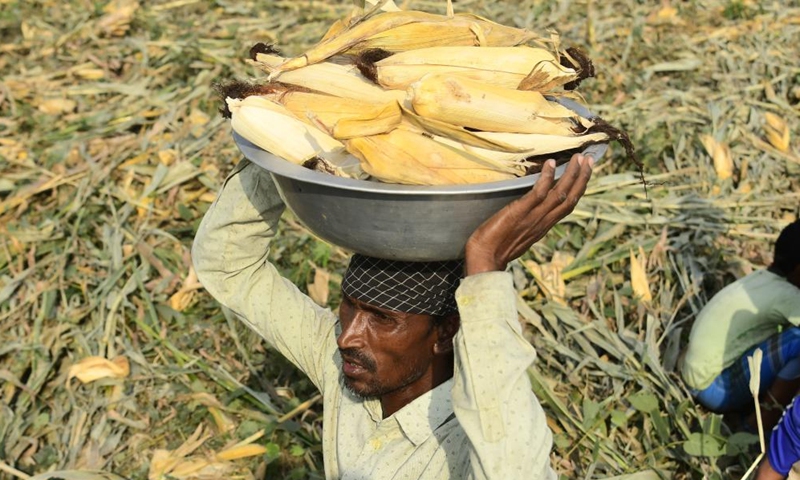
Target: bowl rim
point(284, 168)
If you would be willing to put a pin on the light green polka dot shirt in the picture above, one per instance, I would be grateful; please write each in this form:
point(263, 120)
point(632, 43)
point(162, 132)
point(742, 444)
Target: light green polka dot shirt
point(484, 423)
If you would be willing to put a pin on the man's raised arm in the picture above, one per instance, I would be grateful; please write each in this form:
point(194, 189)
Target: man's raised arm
point(230, 256)
point(492, 395)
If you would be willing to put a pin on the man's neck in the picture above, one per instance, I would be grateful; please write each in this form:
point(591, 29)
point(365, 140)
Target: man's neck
point(774, 269)
point(394, 401)
point(792, 277)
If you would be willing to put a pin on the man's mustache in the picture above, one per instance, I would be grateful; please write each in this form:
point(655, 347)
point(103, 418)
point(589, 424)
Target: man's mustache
point(353, 355)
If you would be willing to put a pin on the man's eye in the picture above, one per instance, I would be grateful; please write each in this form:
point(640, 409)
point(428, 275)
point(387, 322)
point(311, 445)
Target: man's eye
point(382, 317)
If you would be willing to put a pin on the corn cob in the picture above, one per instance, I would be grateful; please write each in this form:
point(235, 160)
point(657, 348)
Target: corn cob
point(509, 162)
point(342, 117)
point(540, 144)
point(331, 78)
point(345, 23)
point(500, 66)
point(460, 30)
point(412, 121)
point(513, 162)
point(272, 127)
point(483, 107)
point(400, 31)
point(349, 37)
point(523, 143)
point(404, 156)
point(338, 27)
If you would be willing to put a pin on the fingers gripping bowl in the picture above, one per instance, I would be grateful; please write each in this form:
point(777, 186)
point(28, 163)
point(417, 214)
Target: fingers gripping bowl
point(397, 222)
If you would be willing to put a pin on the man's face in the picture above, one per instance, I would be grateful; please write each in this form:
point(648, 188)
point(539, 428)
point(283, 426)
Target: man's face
point(384, 351)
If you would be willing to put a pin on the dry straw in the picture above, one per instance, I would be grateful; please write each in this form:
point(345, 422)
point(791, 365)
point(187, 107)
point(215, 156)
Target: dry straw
point(111, 149)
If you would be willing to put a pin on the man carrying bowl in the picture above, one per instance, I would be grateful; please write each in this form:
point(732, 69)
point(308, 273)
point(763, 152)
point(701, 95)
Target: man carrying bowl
point(424, 373)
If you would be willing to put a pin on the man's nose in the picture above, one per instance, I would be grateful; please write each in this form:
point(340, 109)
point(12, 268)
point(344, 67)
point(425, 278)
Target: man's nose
point(352, 335)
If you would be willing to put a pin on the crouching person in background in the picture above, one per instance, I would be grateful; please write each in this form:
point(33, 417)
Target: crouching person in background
point(759, 311)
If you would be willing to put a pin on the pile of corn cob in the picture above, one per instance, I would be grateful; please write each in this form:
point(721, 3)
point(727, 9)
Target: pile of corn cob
point(417, 98)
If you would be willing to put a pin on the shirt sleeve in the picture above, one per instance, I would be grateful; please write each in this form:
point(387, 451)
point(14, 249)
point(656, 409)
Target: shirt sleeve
point(788, 305)
point(492, 395)
point(230, 257)
point(784, 444)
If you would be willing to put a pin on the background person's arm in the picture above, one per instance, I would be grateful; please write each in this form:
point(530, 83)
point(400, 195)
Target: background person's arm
point(784, 445)
point(766, 472)
point(230, 256)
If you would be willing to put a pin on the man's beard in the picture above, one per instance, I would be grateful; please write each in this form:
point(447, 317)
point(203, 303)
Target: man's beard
point(373, 389)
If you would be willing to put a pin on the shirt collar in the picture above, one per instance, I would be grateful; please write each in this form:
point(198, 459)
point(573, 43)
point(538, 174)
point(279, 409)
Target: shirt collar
point(426, 413)
point(373, 408)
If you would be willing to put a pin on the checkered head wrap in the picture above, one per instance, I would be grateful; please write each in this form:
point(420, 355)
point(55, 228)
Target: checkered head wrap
point(408, 287)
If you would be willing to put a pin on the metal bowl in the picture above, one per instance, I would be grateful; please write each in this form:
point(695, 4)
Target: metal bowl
point(397, 222)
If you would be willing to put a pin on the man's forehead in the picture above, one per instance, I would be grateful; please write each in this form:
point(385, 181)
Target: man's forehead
point(365, 305)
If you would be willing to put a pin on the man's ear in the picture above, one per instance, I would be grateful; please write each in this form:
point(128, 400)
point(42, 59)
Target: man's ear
point(446, 330)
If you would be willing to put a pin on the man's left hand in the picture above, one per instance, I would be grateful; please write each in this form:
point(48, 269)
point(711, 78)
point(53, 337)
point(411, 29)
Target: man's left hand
point(513, 230)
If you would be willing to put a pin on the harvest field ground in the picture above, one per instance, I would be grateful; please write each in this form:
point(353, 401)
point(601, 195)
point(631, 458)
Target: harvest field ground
point(112, 148)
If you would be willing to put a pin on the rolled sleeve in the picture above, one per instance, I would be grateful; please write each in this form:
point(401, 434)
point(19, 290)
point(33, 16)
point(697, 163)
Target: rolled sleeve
point(230, 255)
point(492, 395)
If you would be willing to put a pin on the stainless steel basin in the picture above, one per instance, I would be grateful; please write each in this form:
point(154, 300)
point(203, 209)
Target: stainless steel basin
point(399, 222)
